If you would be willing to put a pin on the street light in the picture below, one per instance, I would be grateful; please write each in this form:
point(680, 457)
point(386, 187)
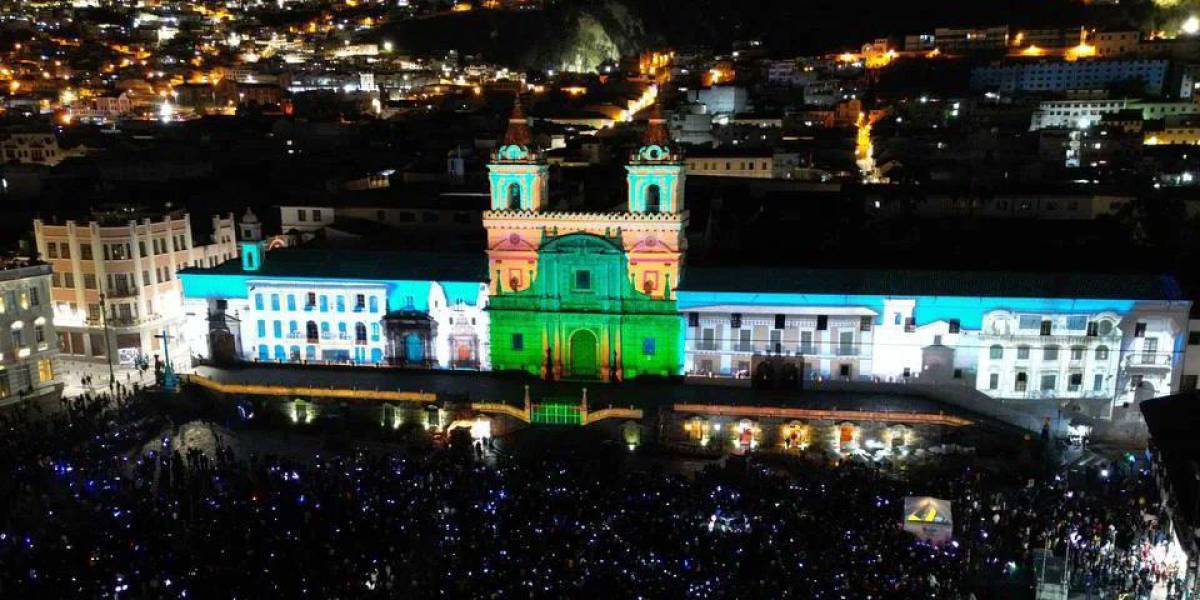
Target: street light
point(112, 378)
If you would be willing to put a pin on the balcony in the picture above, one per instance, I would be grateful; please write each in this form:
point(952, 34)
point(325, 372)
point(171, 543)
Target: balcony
point(121, 292)
point(1148, 360)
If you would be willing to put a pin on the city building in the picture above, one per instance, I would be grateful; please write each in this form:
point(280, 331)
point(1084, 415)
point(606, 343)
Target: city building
point(1083, 113)
point(728, 162)
point(1116, 43)
point(1115, 339)
point(969, 39)
point(1173, 136)
point(585, 295)
point(1048, 75)
point(115, 275)
point(39, 148)
point(1075, 113)
point(339, 306)
point(1191, 366)
point(722, 99)
point(28, 344)
point(1044, 206)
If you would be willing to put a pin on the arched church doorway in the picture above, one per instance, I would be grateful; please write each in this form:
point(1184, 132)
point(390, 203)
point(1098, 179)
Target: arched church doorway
point(584, 351)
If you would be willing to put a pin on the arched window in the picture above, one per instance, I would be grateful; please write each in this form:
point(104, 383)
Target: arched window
point(996, 352)
point(311, 332)
point(360, 333)
point(653, 198)
point(514, 196)
point(1101, 352)
point(1022, 381)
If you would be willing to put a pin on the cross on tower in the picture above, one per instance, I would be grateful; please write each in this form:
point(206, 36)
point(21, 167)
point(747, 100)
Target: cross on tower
point(169, 381)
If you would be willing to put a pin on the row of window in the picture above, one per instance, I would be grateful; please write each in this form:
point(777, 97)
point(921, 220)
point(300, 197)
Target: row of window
point(729, 165)
point(649, 345)
point(20, 299)
point(118, 283)
point(996, 351)
point(1049, 382)
point(314, 333)
point(302, 215)
point(118, 250)
point(293, 353)
point(744, 342)
point(362, 302)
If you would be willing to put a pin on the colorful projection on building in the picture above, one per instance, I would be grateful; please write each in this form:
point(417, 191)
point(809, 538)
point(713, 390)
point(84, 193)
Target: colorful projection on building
point(583, 319)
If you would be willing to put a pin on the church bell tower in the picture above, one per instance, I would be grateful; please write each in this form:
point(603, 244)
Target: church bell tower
point(655, 171)
point(517, 172)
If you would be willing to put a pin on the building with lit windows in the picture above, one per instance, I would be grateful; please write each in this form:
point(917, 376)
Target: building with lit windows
point(38, 148)
point(340, 307)
point(27, 340)
point(1062, 75)
point(115, 274)
point(1006, 336)
point(585, 295)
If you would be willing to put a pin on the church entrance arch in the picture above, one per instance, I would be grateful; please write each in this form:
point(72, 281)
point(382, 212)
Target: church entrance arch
point(584, 354)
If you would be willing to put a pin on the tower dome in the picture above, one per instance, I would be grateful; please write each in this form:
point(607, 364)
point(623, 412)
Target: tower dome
point(656, 141)
point(517, 145)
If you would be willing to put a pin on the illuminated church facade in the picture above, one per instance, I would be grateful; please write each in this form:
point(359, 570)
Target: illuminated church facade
point(585, 295)
point(602, 296)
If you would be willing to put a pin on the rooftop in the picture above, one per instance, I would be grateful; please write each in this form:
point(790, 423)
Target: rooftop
point(332, 263)
point(12, 268)
point(784, 280)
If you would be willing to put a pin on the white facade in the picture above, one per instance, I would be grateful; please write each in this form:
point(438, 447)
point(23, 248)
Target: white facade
point(28, 343)
point(1019, 359)
point(300, 320)
point(289, 321)
point(1054, 352)
point(1074, 113)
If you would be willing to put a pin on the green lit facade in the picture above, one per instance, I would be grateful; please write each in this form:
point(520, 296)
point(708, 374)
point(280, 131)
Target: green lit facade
point(582, 318)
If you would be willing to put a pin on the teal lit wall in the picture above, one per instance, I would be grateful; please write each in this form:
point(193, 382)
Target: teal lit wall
point(640, 177)
point(969, 311)
point(401, 293)
point(529, 177)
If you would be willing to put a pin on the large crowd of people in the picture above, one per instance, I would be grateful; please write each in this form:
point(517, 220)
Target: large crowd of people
point(89, 510)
